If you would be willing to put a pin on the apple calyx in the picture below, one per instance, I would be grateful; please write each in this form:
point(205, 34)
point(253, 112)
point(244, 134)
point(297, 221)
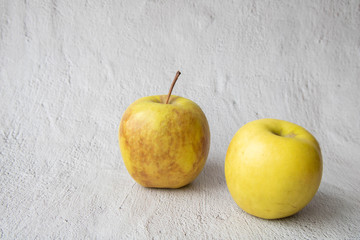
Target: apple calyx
point(172, 86)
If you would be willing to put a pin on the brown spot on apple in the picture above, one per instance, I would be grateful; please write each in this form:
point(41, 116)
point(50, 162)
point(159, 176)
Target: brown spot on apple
point(290, 135)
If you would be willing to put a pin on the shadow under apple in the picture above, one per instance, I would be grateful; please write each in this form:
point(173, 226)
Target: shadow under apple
point(212, 176)
point(331, 208)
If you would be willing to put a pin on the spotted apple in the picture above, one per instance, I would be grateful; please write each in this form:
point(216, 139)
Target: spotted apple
point(164, 140)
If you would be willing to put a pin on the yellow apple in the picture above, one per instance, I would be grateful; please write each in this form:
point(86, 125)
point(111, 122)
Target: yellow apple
point(273, 168)
point(164, 140)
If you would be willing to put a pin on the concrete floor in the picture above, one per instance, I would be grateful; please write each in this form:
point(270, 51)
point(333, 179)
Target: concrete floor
point(69, 69)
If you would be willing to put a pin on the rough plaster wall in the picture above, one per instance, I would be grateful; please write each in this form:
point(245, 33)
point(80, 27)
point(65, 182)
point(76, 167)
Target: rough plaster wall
point(69, 69)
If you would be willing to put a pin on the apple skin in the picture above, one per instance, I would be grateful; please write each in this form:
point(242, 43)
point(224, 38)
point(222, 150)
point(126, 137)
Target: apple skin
point(164, 145)
point(273, 168)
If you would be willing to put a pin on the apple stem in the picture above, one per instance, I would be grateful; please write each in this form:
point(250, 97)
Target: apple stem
point(172, 86)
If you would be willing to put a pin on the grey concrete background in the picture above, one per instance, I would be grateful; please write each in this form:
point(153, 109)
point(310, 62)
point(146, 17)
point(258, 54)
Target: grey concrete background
point(69, 69)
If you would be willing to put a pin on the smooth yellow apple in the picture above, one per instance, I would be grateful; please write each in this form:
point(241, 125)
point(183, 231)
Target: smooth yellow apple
point(164, 145)
point(273, 168)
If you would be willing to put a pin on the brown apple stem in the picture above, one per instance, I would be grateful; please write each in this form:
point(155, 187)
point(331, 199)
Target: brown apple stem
point(172, 86)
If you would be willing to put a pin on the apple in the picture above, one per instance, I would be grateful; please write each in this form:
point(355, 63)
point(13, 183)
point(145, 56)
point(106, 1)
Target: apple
point(164, 140)
point(273, 168)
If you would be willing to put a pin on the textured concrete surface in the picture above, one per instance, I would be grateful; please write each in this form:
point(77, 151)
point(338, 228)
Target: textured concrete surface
point(69, 69)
